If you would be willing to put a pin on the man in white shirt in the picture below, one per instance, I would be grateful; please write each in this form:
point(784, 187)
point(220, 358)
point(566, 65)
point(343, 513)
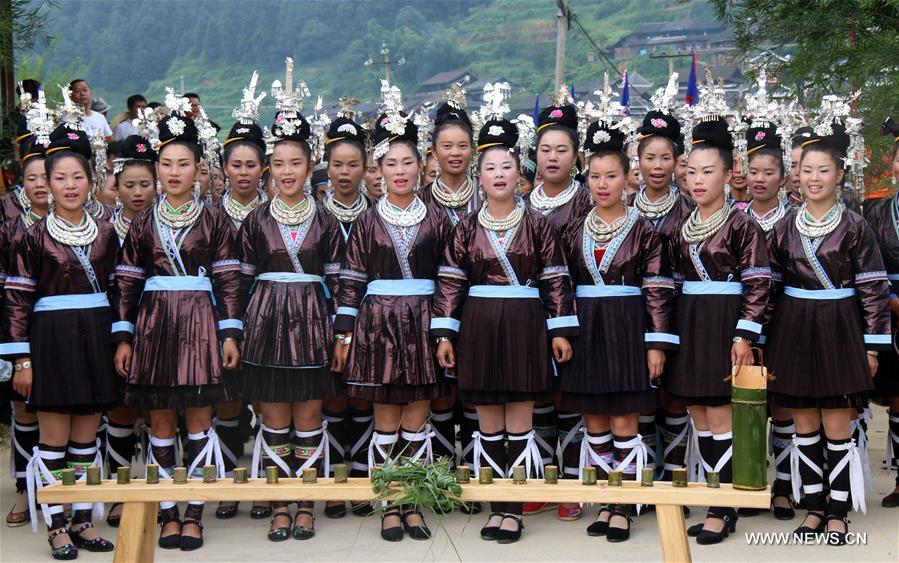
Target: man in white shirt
point(126, 128)
point(92, 121)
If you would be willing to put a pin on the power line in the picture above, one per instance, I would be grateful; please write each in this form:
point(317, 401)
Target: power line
point(572, 17)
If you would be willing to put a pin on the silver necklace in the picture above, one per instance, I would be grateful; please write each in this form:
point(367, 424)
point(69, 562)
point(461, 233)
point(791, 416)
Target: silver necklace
point(770, 218)
point(81, 234)
point(599, 230)
point(121, 224)
point(412, 215)
point(453, 199)
point(545, 203)
point(23, 200)
point(343, 213)
point(653, 210)
point(500, 225)
point(238, 211)
point(813, 228)
point(696, 230)
point(292, 216)
point(183, 216)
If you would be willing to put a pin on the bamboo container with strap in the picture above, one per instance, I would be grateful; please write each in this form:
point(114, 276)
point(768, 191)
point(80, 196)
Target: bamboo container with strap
point(749, 399)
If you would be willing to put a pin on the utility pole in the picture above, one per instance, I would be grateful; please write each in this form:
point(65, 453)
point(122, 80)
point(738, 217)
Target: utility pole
point(563, 23)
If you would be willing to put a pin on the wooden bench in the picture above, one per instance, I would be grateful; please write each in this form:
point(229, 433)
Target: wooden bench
point(136, 539)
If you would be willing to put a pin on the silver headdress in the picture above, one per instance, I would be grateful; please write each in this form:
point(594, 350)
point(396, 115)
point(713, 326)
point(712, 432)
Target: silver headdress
point(494, 106)
point(422, 120)
point(835, 109)
point(455, 95)
point(147, 125)
point(394, 121)
point(39, 119)
point(247, 112)
point(67, 113)
point(98, 149)
point(346, 107)
point(526, 132)
point(663, 99)
point(289, 103)
point(175, 103)
point(209, 139)
point(318, 126)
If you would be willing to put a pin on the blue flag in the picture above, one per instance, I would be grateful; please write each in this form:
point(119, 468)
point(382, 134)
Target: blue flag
point(572, 91)
point(536, 109)
point(626, 94)
point(691, 97)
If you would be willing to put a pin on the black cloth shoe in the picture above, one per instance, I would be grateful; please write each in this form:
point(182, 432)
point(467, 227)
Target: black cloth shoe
point(783, 512)
point(803, 529)
point(706, 537)
point(615, 534)
point(891, 500)
point(226, 510)
point(190, 543)
point(394, 533)
point(416, 532)
point(97, 545)
point(335, 510)
point(837, 538)
point(280, 533)
point(599, 528)
point(489, 532)
point(302, 532)
point(509, 536)
point(65, 552)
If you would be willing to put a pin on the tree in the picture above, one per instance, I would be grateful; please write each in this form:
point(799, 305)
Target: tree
point(835, 46)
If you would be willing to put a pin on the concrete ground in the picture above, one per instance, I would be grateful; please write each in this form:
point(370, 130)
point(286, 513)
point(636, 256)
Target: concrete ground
point(456, 536)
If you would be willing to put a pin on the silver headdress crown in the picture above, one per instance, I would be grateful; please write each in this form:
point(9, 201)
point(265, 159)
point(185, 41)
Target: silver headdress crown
point(98, 149)
point(67, 113)
point(318, 126)
point(147, 125)
point(394, 121)
point(209, 139)
point(663, 99)
point(609, 113)
point(288, 100)
point(455, 95)
point(175, 103)
point(247, 112)
point(25, 100)
point(346, 107)
point(494, 106)
point(835, 109)
point(422, 120)
point(527, 129)
point(39, 119)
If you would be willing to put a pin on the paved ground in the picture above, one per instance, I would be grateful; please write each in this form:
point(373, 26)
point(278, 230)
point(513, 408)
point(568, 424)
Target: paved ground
point(545, 538)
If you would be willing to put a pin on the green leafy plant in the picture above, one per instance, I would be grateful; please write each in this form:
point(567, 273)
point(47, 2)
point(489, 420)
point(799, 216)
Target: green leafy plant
point(405, 482)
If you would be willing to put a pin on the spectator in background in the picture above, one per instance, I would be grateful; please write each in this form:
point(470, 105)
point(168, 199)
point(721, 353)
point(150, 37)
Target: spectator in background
point(195, 109)
point(92, 121)
point(100, 106)
point(122, 124)
point(107, 193)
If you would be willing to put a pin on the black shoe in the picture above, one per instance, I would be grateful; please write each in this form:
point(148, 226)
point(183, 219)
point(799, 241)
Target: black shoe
point(189, 543)
point(781, 512)
point(489, 532)
point(803, 529)
point(599, 528)
point(280, 533)
point(394, 533)
point(891, 500)
point(97, 545)
point(416, 532)
point(750, 511)
point(686, 512)
point(470, 508)
point(837, 538)
point(509, 536)
point(615, 534)
point(363, 509)
point(226, 511)
point(65, 552)
point(172, 541)
point(113, 520)
point(706, 537)
point(260, 511)
point(302, 532)
point(694, 530)
point(335, 510)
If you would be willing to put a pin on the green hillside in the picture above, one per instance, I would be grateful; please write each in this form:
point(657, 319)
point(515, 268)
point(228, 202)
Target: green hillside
point(123, 47)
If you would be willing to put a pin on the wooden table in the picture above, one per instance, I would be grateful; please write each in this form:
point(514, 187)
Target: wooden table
point(136, 539)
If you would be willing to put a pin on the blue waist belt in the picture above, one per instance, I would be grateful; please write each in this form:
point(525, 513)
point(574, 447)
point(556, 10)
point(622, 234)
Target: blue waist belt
point(401, 287)
point(293, 277)
point(607, 290)
point(74, 301)
point(178, 283)
point(712, 288)
point(504, 291)
point(800, 293)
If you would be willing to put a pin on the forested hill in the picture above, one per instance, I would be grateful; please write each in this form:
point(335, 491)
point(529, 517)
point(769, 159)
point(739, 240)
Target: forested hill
point(124, 47)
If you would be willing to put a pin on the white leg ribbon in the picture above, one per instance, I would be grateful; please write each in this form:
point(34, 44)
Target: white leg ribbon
point(426, 450)
point(361, 442)
point(785, 453)
point(480, 454)
point(447, 443)
point(856, 475)
point(590, 458)
point(682, 436)
point(97, 508)
point(531, 457)
point(469, 447)
point(333, 442)
point(571, 435)
point(226, 451)
point(260, 446)
point(856, 426)
point(701, 466)
point(13, 474)
point(650, 452)
point(37, 475)
point(321, 449)
point(796, 456)
point(636, 455)
point(379, 440)
point(211, 454)
point(117, 432)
